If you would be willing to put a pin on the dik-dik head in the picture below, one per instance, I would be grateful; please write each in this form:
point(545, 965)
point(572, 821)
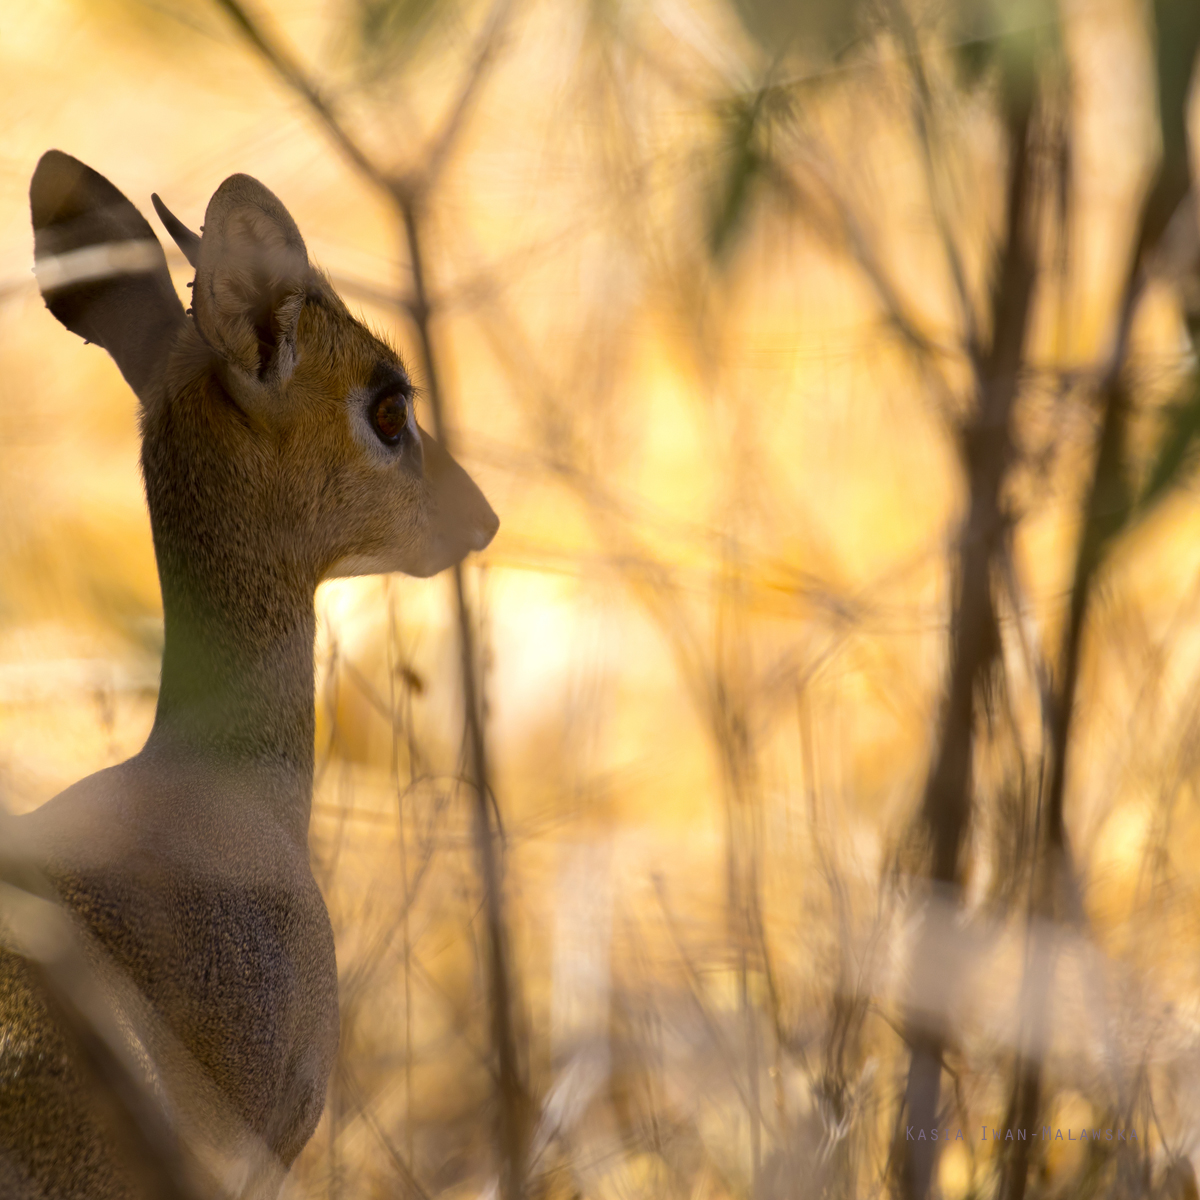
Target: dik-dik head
point(275, 425)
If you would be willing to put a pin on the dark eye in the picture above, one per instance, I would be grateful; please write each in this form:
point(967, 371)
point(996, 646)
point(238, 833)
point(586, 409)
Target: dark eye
point(389, 416)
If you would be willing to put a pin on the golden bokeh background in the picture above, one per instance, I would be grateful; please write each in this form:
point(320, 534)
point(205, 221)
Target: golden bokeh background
point(716, 619)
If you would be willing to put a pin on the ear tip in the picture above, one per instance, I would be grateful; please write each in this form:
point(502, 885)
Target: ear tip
point(63, 190)
point(244, 190)
point(53, 158)
point(240, 189)
point(244, 193)
point(55, 177)
point(56, 160)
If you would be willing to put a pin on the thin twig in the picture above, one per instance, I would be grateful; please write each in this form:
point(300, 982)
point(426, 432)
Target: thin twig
point(922, 113)
point(293, 74)
point(489, 43)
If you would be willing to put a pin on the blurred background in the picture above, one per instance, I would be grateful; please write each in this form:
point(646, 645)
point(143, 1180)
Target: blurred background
point(831, 368)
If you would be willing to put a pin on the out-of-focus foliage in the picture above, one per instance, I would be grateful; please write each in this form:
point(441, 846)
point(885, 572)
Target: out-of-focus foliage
point(827, 28)
point(387, 33)
point(1011, 37)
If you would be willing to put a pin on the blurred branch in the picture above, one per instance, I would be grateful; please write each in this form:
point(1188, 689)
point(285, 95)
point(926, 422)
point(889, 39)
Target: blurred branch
point(1108, 507)
point(401, 189)
point(922, 115)
point(290, 72)
point(652, 582)
point(412, 1186)
point(842, 220)
point(840, 225)
point(696, 987)
point(987, 445)
point(1110, 498)
point(722, 706)
point(512, 1121)
point(468, 91)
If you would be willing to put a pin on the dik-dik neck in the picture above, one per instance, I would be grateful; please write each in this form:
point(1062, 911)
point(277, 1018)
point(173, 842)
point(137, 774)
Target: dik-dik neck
point(237, 673)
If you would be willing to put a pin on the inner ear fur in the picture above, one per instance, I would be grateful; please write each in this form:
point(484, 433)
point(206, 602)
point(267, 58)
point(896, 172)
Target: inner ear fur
point(251, 274)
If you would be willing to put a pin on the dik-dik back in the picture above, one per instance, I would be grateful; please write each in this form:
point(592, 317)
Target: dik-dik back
point(280, 448)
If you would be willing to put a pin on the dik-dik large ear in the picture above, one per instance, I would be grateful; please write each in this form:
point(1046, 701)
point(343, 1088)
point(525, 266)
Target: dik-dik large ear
point(251, 273)
point(100, 268)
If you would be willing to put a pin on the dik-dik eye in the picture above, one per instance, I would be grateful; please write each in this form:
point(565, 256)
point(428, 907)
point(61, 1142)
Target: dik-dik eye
point(389, 418)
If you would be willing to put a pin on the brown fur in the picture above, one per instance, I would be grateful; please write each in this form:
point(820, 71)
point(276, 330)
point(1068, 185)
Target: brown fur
point(188, 864)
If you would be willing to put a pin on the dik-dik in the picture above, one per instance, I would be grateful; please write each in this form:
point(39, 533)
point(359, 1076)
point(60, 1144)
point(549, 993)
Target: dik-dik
point(279, 448)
